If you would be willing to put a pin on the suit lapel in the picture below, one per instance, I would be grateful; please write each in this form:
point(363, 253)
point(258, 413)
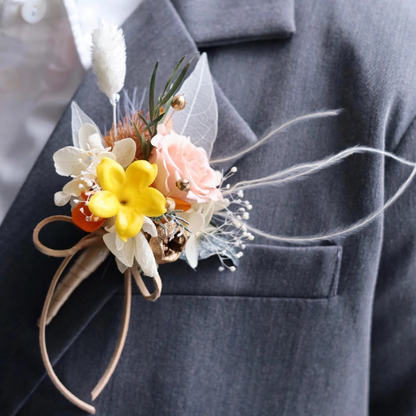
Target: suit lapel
point(152, 33)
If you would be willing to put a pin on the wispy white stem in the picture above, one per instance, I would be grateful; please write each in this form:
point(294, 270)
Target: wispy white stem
point(114, 103)
point(339, 233)
point(298, 171)
point(278, 130)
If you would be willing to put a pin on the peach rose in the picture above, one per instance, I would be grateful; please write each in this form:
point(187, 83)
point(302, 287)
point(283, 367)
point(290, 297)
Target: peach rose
point(176, 158)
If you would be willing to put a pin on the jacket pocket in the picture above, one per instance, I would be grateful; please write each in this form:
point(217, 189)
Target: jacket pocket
point(264, 271)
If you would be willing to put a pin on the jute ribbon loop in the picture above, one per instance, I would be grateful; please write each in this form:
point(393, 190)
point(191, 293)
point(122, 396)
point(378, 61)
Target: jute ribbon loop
point(97, 235)
point(88, 241)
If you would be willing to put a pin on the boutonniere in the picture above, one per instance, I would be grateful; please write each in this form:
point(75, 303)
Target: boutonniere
point(148, 192)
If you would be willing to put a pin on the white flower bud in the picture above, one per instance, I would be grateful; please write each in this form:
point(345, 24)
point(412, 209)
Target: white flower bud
point(236, 223)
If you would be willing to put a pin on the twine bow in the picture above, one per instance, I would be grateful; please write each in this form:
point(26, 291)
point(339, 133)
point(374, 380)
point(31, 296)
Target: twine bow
point(91, 240)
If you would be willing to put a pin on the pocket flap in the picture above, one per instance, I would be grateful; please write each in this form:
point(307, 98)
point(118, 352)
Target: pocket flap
point(264, 271)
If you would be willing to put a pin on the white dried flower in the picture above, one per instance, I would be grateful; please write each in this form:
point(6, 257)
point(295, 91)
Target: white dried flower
point(109, 58)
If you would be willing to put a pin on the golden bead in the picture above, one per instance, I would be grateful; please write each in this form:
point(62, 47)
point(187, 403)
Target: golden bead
point(170, 205)
point(183, 184)
point(178, 103)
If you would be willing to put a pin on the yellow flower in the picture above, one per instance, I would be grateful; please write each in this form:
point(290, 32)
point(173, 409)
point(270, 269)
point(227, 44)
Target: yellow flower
point(127, 195)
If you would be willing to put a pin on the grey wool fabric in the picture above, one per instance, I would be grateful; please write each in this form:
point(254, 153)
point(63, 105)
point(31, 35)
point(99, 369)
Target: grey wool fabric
point(328, 329)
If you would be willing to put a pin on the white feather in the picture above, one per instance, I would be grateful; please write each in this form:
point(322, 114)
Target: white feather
point(278, 130)
point(339, 232)
point(298, 172)
point(304, 170)
point(109, 58)
point(199, 119)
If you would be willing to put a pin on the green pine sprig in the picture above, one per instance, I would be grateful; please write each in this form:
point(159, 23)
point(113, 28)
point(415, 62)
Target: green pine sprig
point(158, 108)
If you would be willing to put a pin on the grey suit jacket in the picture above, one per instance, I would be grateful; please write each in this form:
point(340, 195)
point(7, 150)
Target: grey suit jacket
point(320, 330)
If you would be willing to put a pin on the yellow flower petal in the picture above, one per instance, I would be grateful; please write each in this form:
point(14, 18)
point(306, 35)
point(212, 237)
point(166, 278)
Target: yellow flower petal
point(104, 204)
point(111, 175)
point(128, 223)
point(150, 202)
point(140, 175)
point(126, 194)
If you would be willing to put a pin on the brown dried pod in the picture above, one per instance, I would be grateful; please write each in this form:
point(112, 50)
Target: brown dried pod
point(165, 248)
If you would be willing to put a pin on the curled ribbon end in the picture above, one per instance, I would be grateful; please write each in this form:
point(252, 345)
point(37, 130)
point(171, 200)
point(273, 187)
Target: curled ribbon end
point(89, 242)
point(44, 353)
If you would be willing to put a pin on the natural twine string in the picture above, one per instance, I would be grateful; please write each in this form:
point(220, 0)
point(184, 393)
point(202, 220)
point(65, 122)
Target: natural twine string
point(89, 241)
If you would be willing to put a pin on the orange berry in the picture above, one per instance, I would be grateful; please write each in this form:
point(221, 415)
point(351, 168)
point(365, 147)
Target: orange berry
point(79, 216)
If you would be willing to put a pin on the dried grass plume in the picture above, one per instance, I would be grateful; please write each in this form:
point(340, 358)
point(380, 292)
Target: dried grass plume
point(109, 58)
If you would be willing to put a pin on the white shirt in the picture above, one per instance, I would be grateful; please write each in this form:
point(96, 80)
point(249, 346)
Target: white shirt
point(44, 55)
